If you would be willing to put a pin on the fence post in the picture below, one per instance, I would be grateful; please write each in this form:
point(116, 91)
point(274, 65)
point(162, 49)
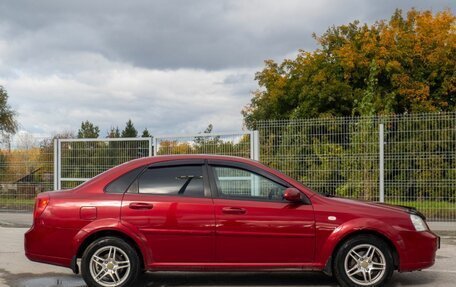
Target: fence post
point(56, 163)
point(381, 173)
point(254, 145)
point(150, 147)
point(155, 144)
point(59, 164)
point(254, 154)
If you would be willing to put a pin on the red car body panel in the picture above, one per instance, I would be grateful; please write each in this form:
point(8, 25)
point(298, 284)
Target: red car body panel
point(266, 233)
point(186, 227)
point(185, 233)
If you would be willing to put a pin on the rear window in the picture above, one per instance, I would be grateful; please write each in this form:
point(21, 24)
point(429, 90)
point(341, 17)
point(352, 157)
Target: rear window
point(121, 184)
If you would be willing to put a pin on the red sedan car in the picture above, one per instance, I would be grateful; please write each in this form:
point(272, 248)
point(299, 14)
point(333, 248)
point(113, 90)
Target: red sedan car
point(201, 212)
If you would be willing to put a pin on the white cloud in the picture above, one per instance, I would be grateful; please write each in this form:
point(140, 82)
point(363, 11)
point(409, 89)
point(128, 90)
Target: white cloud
point(170, 66)
point(164, 101)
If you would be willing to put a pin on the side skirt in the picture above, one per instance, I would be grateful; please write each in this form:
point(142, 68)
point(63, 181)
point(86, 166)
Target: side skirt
point(242, 267)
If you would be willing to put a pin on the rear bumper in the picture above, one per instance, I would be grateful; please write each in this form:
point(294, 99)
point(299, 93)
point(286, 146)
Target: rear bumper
point(64, 262)
point(34, 251)
point(420, 250)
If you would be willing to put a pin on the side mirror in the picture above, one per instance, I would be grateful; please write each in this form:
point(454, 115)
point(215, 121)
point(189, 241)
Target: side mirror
point(291, 194)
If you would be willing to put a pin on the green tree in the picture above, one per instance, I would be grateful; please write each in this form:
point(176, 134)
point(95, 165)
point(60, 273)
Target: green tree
point(8, 123)
point(3, 166)
point(146, 134)
point(114, 133)
point(209, 128)
point(404, 65)
point(129, 130)
point(88, 130)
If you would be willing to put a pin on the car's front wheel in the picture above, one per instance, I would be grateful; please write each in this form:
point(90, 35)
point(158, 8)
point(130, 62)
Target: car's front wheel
point(110, 262)
point(364, 260)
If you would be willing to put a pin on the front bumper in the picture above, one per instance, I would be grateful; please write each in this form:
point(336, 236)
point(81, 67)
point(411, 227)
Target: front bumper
point(420, 250)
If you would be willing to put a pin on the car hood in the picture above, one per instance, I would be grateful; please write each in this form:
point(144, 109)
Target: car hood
point(407, 209)
point(379, 205)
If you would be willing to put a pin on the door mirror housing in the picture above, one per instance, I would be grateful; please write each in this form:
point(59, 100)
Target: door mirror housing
point(291, 194)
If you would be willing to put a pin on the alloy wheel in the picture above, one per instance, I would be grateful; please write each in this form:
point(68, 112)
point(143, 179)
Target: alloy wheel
point(365, 265)
point(110, 266)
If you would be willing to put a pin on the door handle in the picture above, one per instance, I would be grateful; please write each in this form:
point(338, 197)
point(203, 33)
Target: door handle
point(234, 210)
point(140, 205)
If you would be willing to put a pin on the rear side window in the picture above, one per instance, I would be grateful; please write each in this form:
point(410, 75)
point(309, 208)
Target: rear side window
point(121, 184)
point(176, 180)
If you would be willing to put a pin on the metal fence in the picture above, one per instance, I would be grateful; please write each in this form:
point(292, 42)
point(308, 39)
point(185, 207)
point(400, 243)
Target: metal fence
point(26, 169)
point(408, 160)
point(29, 165)
point(242, 144)
point(78, 160)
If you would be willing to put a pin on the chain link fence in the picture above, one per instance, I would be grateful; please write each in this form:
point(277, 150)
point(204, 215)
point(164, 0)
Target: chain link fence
point(26, 169)
point(233, 144)
point(342, 156)
point(79, 160)
point(337, 156)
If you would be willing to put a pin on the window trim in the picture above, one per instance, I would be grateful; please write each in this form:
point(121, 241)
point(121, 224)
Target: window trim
point(252, 169)
point(209, 181)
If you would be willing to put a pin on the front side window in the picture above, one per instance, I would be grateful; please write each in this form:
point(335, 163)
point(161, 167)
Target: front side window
point(174, 180)
point(242, 184)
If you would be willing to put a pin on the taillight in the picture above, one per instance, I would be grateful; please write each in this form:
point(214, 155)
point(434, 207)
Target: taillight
point(40, 205)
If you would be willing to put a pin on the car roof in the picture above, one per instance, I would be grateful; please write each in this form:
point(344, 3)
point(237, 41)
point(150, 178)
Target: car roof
point(159, 158)
point(101, 180)
point(114, 172)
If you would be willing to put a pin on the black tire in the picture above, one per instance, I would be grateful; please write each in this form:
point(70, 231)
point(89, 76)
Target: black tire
point(381, 252)
point(123, 249)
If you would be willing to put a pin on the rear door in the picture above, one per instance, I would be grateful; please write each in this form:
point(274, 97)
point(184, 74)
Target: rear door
point(171, 205)
point(254, 224)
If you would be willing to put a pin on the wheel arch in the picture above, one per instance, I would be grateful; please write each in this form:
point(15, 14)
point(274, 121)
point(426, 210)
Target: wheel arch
point(110, 233)
point(396, 257)
point(357, 227)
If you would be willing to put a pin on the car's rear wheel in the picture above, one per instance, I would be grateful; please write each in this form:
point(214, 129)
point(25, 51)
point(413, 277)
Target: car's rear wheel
point(110, 262)
point(364, 260)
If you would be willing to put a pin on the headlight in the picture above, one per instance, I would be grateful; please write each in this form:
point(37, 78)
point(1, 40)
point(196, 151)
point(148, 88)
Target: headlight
point(418, 222)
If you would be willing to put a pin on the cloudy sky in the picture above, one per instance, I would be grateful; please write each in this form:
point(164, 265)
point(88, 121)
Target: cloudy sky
point(170, 66)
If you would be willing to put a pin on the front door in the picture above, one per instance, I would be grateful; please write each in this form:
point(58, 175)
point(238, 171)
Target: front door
point(172, 208)
point(255, 225)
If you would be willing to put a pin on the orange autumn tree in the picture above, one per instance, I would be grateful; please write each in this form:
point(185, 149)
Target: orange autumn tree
point(411, 59)
point(403, 65)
